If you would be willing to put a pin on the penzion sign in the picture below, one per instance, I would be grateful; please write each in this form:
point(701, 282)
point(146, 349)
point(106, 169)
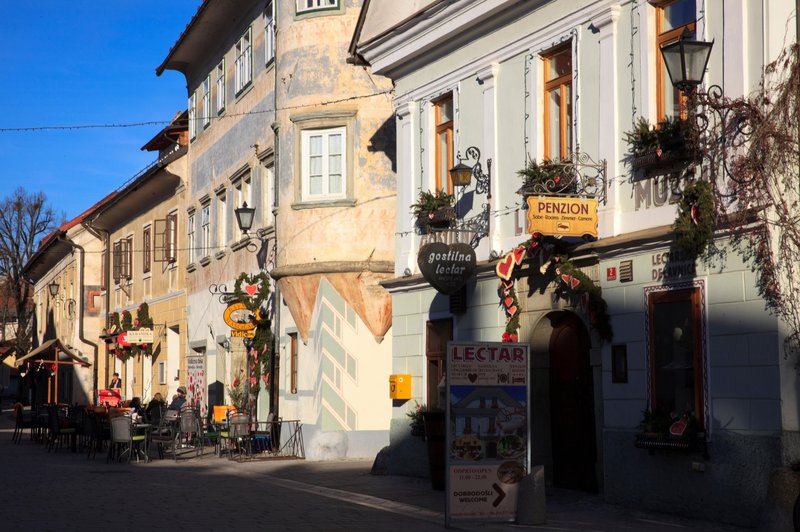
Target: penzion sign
point(447, 267)
point(550, 215)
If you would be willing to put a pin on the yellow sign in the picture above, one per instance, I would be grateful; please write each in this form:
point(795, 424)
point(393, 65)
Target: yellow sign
point(243, 334)
point(238, 317)
point(562, 216)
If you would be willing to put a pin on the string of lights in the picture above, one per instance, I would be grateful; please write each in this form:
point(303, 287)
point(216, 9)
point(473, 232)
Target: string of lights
point(200, 119)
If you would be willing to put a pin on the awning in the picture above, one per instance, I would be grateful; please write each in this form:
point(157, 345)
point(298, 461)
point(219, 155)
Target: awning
point(48, 351)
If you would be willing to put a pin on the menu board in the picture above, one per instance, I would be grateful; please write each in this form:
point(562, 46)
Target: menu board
point(487, 428)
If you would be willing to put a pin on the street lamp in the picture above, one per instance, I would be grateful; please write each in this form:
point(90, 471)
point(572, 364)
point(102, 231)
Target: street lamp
point(53, 289)
point(686, 60)
point(461, 174)
point(244, 217)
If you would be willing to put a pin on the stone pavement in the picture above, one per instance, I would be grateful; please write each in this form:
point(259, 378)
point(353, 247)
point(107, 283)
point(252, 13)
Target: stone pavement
point(65, 491)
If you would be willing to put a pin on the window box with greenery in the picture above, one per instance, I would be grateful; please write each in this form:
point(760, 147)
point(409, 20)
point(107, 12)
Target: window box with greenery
point(652, 147)
point(548, 177)
point(434, 210)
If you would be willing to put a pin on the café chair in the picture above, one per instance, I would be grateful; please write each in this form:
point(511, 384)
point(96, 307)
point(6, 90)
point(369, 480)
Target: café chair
point(21, 423)
point(166, 432)
point(189, 432)
point(98, 432)
point(239, 434)
point(58, 429)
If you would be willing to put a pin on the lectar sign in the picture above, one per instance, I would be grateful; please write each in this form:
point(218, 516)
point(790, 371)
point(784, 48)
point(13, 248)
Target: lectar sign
point(562, 216)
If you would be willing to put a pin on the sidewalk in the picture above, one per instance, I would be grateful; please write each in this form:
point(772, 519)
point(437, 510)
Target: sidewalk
point(211, 493)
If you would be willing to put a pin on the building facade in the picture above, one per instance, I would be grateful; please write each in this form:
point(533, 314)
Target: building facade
point(142, 279)
point(564, 81)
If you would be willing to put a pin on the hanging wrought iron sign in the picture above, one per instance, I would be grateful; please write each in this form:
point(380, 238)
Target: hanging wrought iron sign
point(239, 318)
point(447, 267)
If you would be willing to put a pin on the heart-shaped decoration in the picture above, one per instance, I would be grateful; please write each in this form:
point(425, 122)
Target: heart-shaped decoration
point(472, 377)
point(508, 302)
point(519, 254)
point(251, 289)
point(570, 281)
point(514, 337)
point(508, 285)
point(511, 310)
point(447, 267)
point(505, 267)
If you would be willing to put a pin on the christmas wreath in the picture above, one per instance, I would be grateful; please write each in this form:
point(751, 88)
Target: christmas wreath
point(694, 225)
point(255, 292)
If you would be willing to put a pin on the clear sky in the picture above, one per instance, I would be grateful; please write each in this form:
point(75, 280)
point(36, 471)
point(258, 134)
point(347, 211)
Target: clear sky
point(79, 63)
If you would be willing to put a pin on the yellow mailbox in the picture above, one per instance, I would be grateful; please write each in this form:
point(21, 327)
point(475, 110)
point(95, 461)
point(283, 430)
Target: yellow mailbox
point(400, 386)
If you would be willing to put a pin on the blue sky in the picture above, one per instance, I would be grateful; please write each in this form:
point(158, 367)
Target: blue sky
point(84, 63)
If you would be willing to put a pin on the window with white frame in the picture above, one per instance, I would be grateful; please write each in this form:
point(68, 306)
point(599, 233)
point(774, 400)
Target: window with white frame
point(207, 101)
point(220, 76)
point(171, 239)
point(190, 237)
point(269, 34)
point(222, 216)
point(192, 116)
point(244, 61)
point(162, 373)
point(323, 165)
point(307, 6)
point(205, 229)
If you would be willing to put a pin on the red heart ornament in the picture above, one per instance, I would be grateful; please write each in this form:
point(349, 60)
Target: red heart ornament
point(505, 267)
point(511, 310)
point(251, 289)
point(519, 254)
point(571, 281)
point(514, 337)
point(508, 285)
point(508, 302)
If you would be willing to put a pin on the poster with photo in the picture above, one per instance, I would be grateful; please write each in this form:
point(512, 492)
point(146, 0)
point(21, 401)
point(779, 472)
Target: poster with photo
point(487, 428)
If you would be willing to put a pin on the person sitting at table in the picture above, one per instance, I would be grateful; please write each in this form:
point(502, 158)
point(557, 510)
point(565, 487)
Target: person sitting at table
point(136, 406)
point(179, 400)
point(155, 407)
point(115, 381)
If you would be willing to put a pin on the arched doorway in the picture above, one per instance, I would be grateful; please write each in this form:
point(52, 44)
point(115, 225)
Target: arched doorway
point(572, 405)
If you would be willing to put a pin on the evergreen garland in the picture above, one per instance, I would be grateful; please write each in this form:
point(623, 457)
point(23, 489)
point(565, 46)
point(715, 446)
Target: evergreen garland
point(694, 225)
point(254, 302)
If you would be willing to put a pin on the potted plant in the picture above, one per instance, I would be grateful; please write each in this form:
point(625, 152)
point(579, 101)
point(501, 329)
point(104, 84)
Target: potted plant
point(434, 209)
point(669, 431)
point(547, 177)
point(417, 423)
point(652, 146)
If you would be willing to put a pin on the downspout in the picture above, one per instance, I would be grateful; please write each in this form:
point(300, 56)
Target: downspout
point(274, 406)
point(81, 336)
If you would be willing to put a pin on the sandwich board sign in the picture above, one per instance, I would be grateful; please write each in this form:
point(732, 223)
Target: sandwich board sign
point(488, 431)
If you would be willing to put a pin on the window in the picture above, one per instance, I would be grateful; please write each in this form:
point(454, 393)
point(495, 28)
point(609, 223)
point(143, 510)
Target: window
point(222, 215)
point(103, 271)
point(675, 351)
point(293, 362)
point(221, 87)
point(443, 109)
point(207, 101)
point(146, 247)
point(306, 6)
point(192, 116)
point(162, 373)
point(190, 237)
point(558, 103)
point(269, 34)
point(672, 19)
point(171, 239)
point(323, 164)
point(205, 229)
point(244, 62)
point(127, 253)
point(439, 332)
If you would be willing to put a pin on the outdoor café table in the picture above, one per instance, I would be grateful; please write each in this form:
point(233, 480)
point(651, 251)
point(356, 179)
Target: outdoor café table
point(283, 438)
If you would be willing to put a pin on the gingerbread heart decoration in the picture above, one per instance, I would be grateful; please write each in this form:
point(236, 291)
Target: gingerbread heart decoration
point(511, 310)
point(251, 289)
point(519, 254)
point(505, 267)
point(571, 281)
point(508, 301)
point(447, 267)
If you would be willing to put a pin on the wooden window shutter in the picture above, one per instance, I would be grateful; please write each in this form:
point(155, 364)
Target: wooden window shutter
point(146, 246)
point(116, 260)
point(172, 237)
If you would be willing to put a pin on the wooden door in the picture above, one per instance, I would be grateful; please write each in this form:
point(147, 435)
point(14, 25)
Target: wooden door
point(572, 406)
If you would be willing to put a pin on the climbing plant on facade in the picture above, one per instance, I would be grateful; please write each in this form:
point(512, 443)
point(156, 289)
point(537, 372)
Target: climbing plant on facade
point(254, 292)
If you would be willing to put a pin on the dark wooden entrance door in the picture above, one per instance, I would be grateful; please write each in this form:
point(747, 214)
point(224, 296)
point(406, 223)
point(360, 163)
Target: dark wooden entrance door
point(572, 406)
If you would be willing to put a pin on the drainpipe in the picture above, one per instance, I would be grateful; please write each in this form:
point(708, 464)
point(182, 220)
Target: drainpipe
point(274, 406)
point(81, 336)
